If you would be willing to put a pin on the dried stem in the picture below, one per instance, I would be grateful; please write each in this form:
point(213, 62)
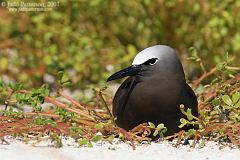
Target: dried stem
point(106, 106)
point(61, 105)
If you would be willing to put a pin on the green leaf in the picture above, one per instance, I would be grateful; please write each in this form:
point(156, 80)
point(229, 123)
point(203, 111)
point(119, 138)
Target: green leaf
point(66, 84)
point(237, 105)
point(193, 52)
point(155, 133)
point(16, 86)
point(220, 66)
point(184, 122)
point(83, 142)
point(90, 144)
point(227, 100)
point(191, 132)
point(216, 102)
point(160, 126)
point(63, 78)
point(96, 138)
point(181, 125)
point(214, 112)
point(189, 114)
point(98, 126)
point(60, 75)
point(226, 107)
point(151, 125)
point(2, 84)
point(110, 138)
point(235, 97)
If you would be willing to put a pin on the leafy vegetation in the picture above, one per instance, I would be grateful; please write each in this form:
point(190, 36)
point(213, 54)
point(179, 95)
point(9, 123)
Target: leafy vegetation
point(88, 123)
point(75, 46)
point(87, 39)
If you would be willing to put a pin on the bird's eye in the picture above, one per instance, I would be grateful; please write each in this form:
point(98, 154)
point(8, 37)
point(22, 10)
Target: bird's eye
point(151, 61)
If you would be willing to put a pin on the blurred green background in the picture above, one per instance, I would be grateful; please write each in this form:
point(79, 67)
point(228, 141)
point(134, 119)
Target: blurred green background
point(90, 39)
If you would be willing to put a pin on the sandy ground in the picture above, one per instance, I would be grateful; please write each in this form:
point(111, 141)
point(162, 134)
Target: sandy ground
point(17, 150)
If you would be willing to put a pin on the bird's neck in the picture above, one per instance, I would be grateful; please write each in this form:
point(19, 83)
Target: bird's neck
point(164, 77)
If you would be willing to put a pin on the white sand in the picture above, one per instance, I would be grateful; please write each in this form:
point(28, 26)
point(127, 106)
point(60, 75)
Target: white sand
point(117, 151)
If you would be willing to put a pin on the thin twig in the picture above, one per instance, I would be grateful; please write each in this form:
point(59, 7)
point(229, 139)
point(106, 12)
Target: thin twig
point(128, 136)
point(106, 106)
point(61, 105)
point(205, 75)
point(233, 68)
point(72, 101)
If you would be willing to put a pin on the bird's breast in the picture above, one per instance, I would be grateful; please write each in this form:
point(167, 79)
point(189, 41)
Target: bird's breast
point(155, 97)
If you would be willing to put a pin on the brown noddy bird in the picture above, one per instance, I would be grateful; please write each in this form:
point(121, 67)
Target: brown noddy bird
point(154, 90)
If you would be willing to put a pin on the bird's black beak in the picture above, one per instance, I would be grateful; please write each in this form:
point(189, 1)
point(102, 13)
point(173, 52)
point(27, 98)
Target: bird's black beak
point(130, 71)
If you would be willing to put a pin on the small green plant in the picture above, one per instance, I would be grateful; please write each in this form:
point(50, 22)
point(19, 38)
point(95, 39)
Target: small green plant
point(12, 113)
point(159, 130)
point(56, 139)
point(89, 123)
point(191, 120)
point(63, 79)
point(231, 106)
point(89, 142)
